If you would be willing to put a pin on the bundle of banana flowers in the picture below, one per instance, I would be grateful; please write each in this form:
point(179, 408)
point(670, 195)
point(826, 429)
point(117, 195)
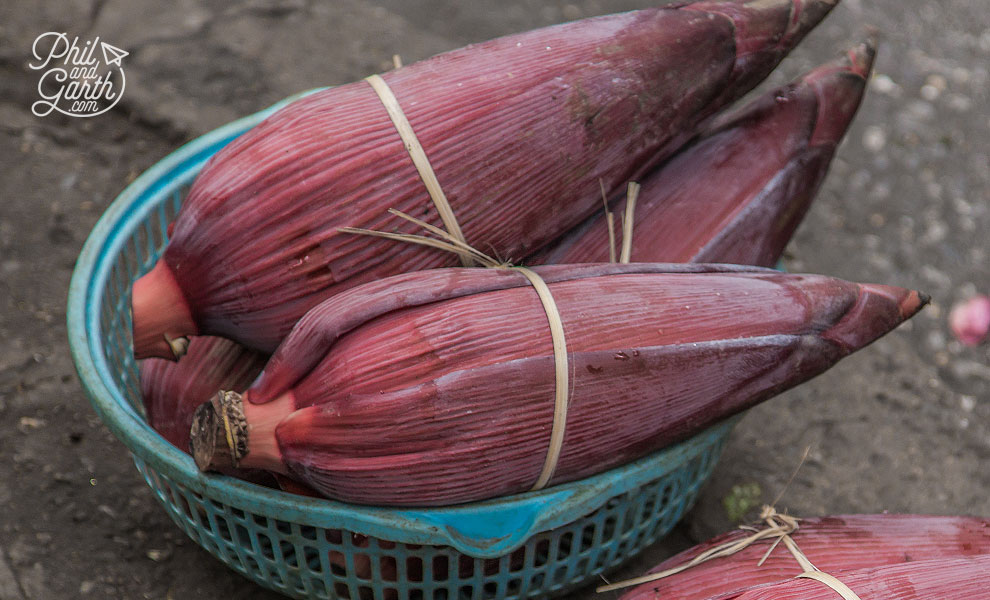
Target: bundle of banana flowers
point(869, 557)
point(396, 383)
point(379, 390)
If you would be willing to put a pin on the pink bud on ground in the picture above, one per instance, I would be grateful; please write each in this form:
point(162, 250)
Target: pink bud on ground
point(970, 320)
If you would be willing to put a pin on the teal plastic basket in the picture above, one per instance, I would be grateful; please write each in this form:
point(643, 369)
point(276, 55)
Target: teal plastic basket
point(531, 545)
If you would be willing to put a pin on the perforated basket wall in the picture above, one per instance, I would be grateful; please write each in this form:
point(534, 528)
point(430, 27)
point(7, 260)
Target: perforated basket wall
point(527, 546)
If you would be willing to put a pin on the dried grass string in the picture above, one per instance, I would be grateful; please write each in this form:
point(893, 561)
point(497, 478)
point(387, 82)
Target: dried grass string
point(632, 194)
point(561, 377)
point(449, 243)
point(779, 526)
point(777, 529)
point(609, 223)
point(418, 155)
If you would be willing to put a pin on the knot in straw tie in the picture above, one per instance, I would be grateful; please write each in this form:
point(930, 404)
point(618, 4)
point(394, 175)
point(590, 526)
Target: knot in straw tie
point(778, 527)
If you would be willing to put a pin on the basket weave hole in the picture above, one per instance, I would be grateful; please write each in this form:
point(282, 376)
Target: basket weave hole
point(260, 520)
point(536, 582)
point(275, 577)
point(131, 260)
point(242, 537)
point(249, 566)
point(621, 548)
point(320, 587)
point(172, 208)
point(387, 545)
point(308, 532)
point(629, 521)
point(191, 509)
point(635, 540)
point(492, 567)
point(221, 528)
point(362, 566)
point(140, 241)
point(338, 563)
point(656, 529)
point(441, 567)
point(541, 552)
point(389, 568)
point(161, 487)
point(289, 554)
point(206, 540)
point(608, 528)
point(587, 538)
point(564, 545)
point(582, 566)
point(366, 592)
point(517, 560)
point(156, 235)
point(264, 546)
point(465, 566)
point(340, 590)
point(513, 586)
point(283, 527)
point(389, 594)
point(311, 559)
point(648, 507)
point(414, 568)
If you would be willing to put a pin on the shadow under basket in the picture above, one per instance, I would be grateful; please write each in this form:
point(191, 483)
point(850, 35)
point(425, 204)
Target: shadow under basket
point(531, 545)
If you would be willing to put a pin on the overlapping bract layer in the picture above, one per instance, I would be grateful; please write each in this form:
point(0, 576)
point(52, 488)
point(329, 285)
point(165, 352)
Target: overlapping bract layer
point(941, 579)
point(172, 391)
point(520, 130)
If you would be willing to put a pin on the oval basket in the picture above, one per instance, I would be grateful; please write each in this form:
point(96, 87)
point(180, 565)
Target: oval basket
point(531, 545)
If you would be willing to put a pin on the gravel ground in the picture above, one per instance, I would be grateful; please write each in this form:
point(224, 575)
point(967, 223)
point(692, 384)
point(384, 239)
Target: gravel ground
point(903, 426)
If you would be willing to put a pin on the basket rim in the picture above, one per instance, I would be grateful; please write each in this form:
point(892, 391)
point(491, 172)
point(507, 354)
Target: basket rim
point(487, 529)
